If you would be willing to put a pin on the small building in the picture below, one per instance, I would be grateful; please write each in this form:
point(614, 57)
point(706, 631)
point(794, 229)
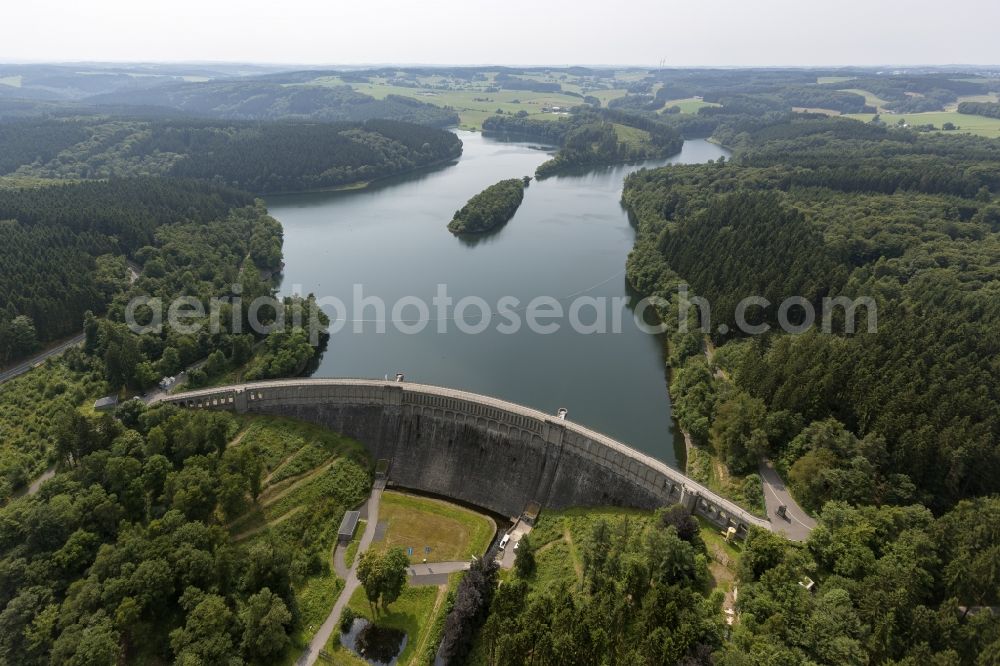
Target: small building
point(347, 526)
point(106, 404)
point(531, 511)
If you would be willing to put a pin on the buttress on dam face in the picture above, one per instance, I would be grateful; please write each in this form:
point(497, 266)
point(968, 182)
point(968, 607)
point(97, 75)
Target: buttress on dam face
point(487, 452)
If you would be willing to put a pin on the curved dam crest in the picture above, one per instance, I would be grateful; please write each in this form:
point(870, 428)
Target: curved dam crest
point(488, 452)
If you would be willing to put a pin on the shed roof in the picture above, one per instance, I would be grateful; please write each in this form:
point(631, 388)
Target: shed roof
point(348, 524)
point(106, 402)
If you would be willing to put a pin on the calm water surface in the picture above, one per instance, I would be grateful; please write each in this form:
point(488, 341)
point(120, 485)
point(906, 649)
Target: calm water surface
point(570, 236)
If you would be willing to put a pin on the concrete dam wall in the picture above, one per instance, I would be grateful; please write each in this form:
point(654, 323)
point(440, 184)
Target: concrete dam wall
point(491, 453)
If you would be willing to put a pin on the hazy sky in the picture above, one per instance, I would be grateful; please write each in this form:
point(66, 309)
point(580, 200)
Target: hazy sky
point(685, 32)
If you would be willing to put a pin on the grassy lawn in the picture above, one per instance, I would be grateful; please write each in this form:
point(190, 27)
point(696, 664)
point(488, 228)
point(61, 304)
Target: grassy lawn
point(631, 136)
point(452, 532)
point(556, 537)
point(289, 447)
point(689, 105)
point(414, 613)
point(725, 556)
point(979, 125)
point(352, 547)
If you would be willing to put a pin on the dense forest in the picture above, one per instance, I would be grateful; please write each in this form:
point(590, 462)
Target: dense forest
point(895, 586)
point(125, 556)
point(642, 596)
point(262, 158)
point(224, 261)
point(988, 109)
point(826, 208)
point(65, 246)
point(489, 209)
point(890, 585)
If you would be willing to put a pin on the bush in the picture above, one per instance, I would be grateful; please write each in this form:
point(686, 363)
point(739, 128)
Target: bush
point(347, 618)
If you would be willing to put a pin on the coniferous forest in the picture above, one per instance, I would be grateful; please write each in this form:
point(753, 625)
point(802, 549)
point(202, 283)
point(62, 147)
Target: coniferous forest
point(256, 157)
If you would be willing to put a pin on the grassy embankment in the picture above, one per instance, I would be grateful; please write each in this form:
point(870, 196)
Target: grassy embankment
point(311, 476)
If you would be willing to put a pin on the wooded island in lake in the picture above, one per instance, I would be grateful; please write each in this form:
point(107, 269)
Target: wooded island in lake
point(490, 208)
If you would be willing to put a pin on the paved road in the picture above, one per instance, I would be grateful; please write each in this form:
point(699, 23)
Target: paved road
point(156, 394)
point(28, 364)
point(351, 581)
point(509, 554)
point(798, 524)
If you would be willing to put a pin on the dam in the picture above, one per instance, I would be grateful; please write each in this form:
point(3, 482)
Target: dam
point(487, 452)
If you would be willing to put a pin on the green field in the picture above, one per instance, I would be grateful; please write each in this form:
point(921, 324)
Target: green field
point(834, 79)
point(452, 532)
point(689, 105)
point(979, 125)
point(870, 99)
point(472, 106)
point(14, 81)
point(607, 95)
point(631, 136)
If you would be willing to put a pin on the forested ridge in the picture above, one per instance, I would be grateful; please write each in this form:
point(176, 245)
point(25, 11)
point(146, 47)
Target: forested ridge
point(264, 100)
point(490, 208)
point(822, 209)
point(592, 137)
point(258, 157)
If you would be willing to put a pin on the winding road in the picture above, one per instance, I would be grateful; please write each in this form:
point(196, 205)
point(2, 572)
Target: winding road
point(798, 524)
point(28, 364)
